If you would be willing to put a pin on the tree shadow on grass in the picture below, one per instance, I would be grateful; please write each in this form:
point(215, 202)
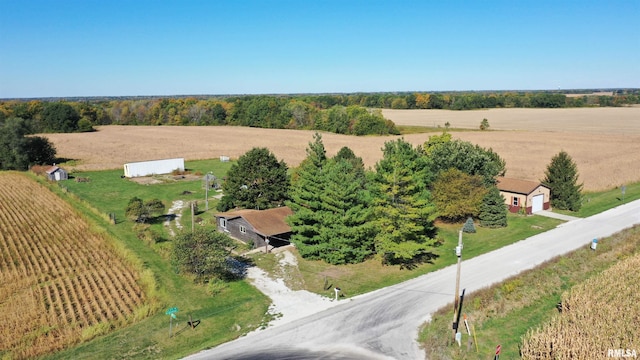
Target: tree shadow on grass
point(410, 264)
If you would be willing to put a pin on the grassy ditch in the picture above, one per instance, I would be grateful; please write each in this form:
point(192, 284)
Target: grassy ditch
point(597, 202)
point(354, 279)
point(502, 314)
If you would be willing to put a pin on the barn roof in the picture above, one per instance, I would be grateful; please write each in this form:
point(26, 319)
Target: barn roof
point(267, 222)
point(517, 186)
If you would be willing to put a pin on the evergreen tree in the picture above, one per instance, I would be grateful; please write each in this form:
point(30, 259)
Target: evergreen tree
point(561, 176)
point(306, 200)
point(257, 181)
point(345, 214)
point(404, 213)
point(493, 211)
point(331, 207)
point(469, 226)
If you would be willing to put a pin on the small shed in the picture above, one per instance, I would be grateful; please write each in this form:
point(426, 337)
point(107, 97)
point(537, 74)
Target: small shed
point(256, 226)
point(530, 196)
point(153, 167)
point(55, 173)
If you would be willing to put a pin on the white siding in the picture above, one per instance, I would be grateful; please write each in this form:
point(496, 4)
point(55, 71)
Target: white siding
point(144, 168)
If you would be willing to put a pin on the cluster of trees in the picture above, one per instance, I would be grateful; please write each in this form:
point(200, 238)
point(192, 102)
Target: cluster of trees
point(346, 214)
point(18, 151)
point(256, 111)
point(339, 113)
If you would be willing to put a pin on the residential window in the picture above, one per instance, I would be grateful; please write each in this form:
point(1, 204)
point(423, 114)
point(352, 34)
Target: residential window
point(223, 223)
point(516, 201)
point(243, 229)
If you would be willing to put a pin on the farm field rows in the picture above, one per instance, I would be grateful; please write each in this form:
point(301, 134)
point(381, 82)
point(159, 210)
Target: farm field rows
point(604, 142)
point(585, 326)
point(60, 282)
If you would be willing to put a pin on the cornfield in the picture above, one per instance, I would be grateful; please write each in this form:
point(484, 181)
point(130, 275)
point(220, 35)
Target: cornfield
point(599, 315)
point(60, 282)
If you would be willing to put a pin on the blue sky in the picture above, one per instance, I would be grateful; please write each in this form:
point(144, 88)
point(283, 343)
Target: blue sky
point(121, 48)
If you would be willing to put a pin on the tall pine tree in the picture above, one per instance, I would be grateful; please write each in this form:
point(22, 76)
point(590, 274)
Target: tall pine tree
point(306, 201)
point(404, 213)
point(561, 177)
point(331, 208)
point(493, 211)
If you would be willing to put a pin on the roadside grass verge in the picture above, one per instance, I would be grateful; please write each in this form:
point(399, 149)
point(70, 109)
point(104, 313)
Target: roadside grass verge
point(503, 313)
point(354, 279)
point(236, 309)
point(597, 202)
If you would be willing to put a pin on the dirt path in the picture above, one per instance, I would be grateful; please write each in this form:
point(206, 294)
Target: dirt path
point(175, 209)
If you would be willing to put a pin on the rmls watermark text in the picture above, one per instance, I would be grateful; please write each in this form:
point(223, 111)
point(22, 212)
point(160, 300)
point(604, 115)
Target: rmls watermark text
point(622, 353)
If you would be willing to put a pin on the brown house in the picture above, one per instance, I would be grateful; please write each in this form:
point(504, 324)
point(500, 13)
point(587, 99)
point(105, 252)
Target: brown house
point(529, 196)
point(256, 226)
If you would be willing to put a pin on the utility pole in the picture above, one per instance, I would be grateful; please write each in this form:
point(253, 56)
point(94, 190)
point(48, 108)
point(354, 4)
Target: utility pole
point(455, 296)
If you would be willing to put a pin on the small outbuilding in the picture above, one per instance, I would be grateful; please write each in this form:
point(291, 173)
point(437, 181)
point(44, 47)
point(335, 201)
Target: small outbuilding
point(525, 195)
point(153, 167)
point(55, 173)
point(256, 226)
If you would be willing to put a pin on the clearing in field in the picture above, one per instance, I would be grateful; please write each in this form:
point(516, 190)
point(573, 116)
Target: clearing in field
point(60, 282)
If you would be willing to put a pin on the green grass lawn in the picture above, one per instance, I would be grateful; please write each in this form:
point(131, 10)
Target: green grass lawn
point(240, 308)
point(370, 275)
point(236, 310)
point(597, 202)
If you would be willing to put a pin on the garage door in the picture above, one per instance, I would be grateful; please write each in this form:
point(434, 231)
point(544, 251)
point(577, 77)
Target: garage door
point(537, 203)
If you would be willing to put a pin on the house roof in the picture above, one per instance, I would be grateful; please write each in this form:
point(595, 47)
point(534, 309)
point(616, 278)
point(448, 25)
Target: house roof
point(517, 186)
point(52, 169)
point(265, 222)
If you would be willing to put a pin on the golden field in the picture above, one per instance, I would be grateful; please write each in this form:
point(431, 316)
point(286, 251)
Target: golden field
point(60, 282)
point(604, 142)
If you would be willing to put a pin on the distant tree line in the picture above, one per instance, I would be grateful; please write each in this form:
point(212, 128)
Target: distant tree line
point(355, 114)
point(278, 112)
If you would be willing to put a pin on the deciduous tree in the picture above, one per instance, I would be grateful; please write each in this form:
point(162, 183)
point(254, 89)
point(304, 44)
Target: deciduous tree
point(257, 181)
point(458, 195)
point(142, 211)
point(60, 117)
point(466, 157)
point(203, 253)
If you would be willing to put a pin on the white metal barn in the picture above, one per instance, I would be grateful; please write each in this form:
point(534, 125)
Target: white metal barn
point(144, 168)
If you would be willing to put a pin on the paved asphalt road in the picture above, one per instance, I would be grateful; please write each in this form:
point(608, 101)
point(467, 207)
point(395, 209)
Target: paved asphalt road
point(384, 324)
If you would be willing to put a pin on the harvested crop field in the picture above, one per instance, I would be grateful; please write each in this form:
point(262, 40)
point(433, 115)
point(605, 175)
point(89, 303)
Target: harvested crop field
point(60, 282)
point(604, 142)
